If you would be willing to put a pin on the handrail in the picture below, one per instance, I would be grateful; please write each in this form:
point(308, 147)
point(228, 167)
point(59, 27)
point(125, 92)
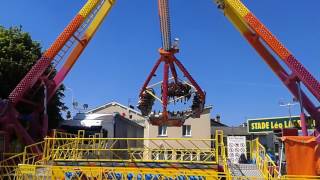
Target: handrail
point(166, 150)
point(9, 165)
point(31, 150)
point(221, 151)
point(264, 162)
point(61, 134)
point(50, 138)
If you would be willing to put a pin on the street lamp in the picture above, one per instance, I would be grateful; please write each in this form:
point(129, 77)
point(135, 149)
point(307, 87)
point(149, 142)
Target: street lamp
point(289, 105)
point(302, 115)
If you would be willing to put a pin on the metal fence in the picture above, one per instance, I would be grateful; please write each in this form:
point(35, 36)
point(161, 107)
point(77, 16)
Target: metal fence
point(167, 150)
point(32, 154)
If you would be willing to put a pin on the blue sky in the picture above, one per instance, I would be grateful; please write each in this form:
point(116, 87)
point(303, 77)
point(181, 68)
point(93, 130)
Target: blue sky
point(115, 64)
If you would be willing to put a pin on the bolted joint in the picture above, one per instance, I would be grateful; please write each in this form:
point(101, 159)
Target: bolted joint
point(220, 4)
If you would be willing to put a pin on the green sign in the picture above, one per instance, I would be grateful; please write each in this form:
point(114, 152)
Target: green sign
point(269, 124)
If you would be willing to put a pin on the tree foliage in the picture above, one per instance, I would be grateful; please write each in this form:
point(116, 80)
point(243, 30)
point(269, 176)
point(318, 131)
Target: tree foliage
point(18, 53)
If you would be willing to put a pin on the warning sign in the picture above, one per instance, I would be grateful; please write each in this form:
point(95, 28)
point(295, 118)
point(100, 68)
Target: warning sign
point(236, 147)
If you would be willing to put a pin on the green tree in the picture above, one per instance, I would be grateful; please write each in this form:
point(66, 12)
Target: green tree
point(18, 53)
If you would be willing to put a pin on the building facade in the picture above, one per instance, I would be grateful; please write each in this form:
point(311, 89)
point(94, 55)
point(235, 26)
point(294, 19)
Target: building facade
point(124, 111)
point(108, 125)
point(197, 128)
point(167, 143)
point(184, 143)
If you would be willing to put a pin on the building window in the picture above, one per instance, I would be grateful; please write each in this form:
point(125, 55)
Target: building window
point(186, 130)
point(162, 130)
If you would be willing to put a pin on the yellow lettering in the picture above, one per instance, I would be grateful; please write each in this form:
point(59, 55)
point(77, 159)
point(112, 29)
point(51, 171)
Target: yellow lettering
point(299, 122)
point(290, 124)
point(267, 125)
point(252, 126)
point(280, 125)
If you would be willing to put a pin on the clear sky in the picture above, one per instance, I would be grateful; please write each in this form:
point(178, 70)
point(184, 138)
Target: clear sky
point(115, 64)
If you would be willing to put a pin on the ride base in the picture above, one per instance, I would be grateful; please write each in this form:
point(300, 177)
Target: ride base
point(67, 156)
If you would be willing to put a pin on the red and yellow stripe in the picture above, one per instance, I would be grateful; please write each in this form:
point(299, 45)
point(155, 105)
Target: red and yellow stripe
point(88, 34)
point(72, 27)
point(247, 23)
point(43, 63)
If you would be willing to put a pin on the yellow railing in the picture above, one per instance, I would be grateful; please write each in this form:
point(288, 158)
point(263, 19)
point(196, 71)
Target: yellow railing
point(180, 150)
point(265, 164)
point(221, 151)
point(8, 155)
point(61, 134)
point(9, 165)
point(136, 158)
point(32, 154)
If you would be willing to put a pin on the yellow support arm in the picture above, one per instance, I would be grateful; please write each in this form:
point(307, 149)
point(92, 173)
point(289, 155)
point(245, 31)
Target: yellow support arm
point(235, 11)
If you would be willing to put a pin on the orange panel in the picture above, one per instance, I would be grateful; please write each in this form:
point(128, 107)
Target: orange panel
point(302, 155)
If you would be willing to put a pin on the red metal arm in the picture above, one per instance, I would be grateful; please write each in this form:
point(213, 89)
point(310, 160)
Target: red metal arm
point(44, 62)
point(174, 72)
point(165, 89)
point(155, 67)
point(186, 73)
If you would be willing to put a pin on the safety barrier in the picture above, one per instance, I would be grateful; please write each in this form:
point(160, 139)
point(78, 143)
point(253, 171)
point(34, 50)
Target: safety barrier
point(221, 151)
point(60, 134)
point(9, 165)
point(8, 155)
point(166, 150)
point(32, 154)
point(263, 161)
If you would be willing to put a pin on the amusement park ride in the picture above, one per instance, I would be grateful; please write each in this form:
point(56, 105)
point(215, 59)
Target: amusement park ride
point(175, 89)
point(74, 38)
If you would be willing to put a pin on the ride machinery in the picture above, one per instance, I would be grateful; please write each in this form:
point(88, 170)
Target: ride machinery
point(78, 33)
point(176, 89)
